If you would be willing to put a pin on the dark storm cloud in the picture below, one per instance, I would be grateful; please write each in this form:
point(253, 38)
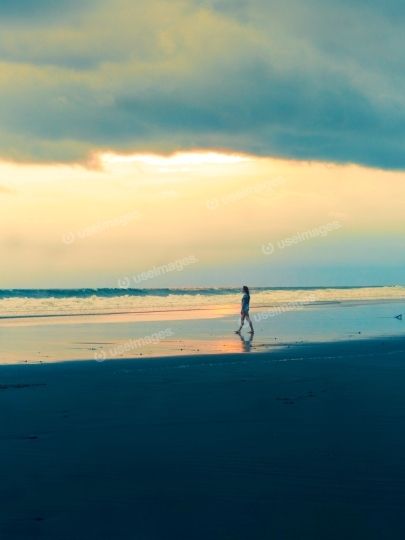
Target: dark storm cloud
point(28, 9)
point(298, 79)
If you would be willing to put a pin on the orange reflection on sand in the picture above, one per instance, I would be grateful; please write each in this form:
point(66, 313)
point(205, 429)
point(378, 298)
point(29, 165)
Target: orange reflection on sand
point(207, 345)
point(238, 344)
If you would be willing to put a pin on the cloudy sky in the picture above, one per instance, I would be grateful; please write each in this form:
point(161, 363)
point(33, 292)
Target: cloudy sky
point(163, 107)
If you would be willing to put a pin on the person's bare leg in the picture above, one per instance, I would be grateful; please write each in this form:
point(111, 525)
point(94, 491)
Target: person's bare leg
point(250, 323)
point(242, 320)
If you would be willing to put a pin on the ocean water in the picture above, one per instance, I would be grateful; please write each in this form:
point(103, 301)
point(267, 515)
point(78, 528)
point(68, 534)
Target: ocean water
point(26, 303)
point(57, 325)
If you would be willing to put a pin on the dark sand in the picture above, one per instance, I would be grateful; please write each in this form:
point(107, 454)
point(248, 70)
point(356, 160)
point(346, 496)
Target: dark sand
point(303, 443)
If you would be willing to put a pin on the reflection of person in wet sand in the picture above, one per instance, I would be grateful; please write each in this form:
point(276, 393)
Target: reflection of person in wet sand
point(245, 311)
point(246, 343)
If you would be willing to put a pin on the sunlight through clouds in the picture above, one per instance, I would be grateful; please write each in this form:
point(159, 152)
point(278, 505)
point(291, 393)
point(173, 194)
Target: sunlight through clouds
point(181, 158)
point(223, 208)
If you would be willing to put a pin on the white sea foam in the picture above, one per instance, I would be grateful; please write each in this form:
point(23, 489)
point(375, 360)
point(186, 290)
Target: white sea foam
point(32, 305)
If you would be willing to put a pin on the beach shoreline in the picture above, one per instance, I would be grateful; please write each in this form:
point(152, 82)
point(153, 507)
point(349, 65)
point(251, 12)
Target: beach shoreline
point(200, 331)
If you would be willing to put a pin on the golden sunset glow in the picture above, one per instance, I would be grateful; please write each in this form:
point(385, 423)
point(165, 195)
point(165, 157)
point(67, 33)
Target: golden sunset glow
point(220, 208)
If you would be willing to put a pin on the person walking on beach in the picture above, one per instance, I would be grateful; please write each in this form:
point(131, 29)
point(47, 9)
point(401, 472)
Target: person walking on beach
point(245, 311)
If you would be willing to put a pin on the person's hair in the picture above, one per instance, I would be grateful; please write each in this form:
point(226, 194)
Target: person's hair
point(246, 289)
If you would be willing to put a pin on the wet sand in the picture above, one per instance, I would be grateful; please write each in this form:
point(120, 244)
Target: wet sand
point(306, 442)
point(204, 331)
